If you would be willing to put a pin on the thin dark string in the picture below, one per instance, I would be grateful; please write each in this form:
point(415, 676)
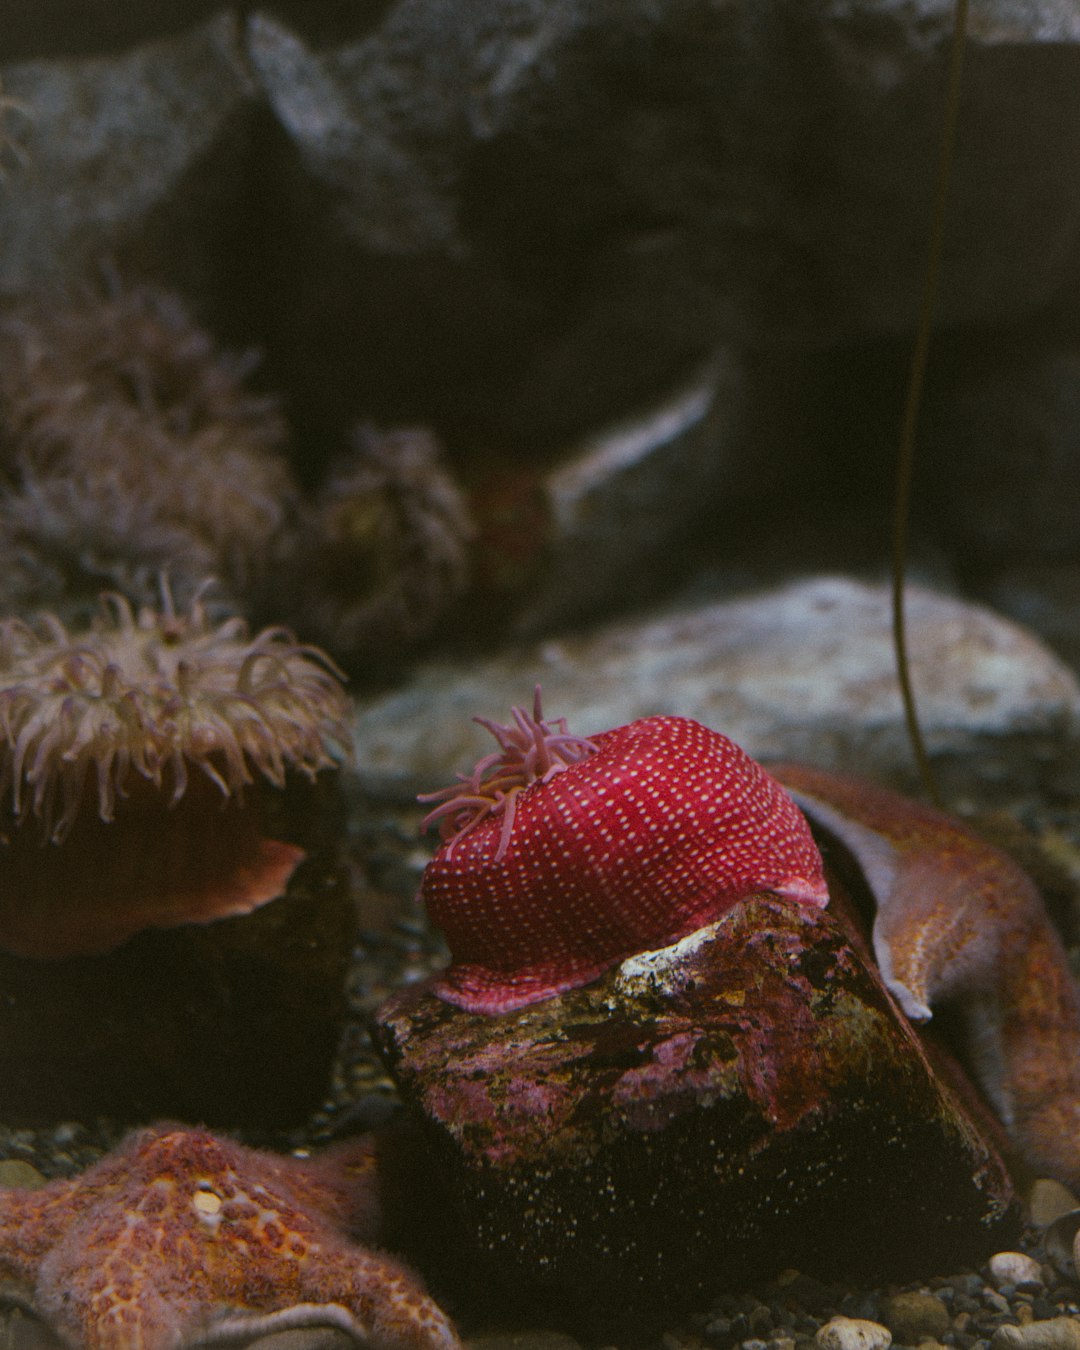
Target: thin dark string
point(914, 396)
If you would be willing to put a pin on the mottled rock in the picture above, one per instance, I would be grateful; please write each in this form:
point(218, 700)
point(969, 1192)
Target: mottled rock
point(688, 1120)
point(852, 1333)
point(133, 158)
point(913, 1317)
point(805, 671)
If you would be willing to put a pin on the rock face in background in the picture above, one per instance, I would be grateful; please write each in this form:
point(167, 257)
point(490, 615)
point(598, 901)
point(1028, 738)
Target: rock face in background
point(133, 159)
point(745, 1100)
point(569, 206)
point(803, 671)
point(649, 272)
point(595, 203)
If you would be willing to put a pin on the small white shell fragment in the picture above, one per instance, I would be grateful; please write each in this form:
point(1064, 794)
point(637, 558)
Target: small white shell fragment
point(1056, 1333)
point(854, 1333)
point(1014, 1268)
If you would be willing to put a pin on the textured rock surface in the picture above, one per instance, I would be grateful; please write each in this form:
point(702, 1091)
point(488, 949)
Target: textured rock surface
point(805, 671)
point(690, 1118)
point(132, 159)
point(543, 202)
point(687, 172)
point(520, 220)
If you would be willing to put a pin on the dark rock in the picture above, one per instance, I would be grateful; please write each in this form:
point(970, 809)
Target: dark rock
point(1003, 450)
point(689, 1120)
point(617, 192)
point(132, 159)
point(1043, 595)
point(233, 1023)
point(620, 503)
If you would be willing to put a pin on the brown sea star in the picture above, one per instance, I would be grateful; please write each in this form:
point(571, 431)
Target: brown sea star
point(181, 1238)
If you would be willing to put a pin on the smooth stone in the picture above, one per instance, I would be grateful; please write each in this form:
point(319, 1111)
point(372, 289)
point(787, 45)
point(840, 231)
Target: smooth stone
point(1056, 1333)
point(685, 1122)
point(1014, 1268)
point(1063, 1244)
point(914, 1317)
point(21, 1175)
point(852, 1333)
point(801, 671)
point(1049, 1200)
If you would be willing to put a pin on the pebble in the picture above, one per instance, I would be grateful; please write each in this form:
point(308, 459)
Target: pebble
point(1048, 1201)
point(852, 1333)
point(1059, 1333)
point(20, 1175)
point(915, 1317)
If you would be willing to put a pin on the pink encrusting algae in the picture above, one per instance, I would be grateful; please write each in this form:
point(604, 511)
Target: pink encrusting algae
point(563, 855)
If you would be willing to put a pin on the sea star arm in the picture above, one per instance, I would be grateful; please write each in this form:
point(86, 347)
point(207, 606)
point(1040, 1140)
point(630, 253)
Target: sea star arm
point(180, 1238)
point(369, 1295)
point(959, 922)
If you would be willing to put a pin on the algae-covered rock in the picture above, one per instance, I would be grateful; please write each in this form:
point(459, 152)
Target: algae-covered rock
point(747, 1099)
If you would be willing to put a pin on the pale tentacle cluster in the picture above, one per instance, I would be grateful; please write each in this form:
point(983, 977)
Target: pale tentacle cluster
point(149, 695)
point(531, 750)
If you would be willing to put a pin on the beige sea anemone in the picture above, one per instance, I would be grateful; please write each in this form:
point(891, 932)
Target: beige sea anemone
point(83, 371)
point(136, 759)
point(382, 552)
point(128, 438)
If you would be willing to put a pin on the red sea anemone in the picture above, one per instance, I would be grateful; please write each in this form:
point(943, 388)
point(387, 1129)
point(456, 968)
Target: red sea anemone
point(564, 855)
point(134, 762)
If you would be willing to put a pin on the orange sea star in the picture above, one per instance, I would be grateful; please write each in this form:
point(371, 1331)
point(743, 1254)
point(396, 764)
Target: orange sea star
point(181, 1238)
